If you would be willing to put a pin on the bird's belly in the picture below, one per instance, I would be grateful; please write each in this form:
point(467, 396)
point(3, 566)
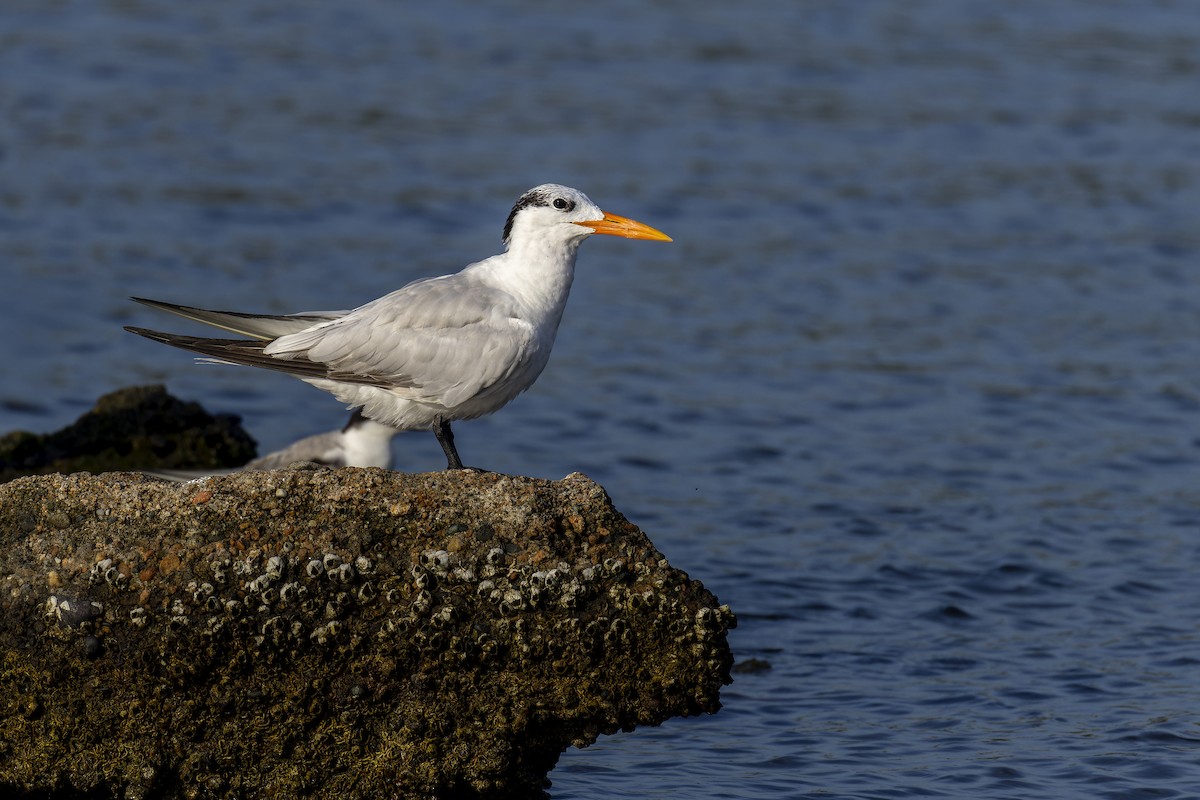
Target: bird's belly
point(397, 407)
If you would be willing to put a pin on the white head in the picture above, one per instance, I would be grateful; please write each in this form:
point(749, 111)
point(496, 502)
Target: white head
point(554, 213)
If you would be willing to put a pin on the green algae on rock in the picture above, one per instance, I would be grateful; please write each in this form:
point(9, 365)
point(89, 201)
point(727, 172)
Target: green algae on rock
point(332, 633)
point(139, 427)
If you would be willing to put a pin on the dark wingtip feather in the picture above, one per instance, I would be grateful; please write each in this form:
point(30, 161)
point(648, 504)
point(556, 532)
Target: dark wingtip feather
point(159, 304)
point(157, 336)
point(209, 347)
point(249, 352)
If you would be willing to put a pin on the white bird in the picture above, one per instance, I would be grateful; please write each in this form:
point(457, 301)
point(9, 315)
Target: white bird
point(361, 442)
point(439, 349)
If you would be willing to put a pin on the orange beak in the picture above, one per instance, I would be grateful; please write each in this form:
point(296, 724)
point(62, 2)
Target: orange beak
point(623, 226)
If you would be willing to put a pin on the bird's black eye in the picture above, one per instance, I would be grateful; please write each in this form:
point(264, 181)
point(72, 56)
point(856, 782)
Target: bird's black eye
point(562, 205)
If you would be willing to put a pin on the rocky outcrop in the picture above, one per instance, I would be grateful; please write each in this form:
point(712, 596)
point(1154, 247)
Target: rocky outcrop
point(332, 634)
point(140, 427)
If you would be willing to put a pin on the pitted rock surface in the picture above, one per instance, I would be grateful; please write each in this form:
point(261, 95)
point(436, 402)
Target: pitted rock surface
point(332, 633)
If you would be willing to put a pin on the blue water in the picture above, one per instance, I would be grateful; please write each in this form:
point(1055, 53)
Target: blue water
point(916, 389)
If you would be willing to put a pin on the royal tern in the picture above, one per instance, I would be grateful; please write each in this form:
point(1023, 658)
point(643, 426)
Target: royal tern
point(361, 442)
point(439, 349)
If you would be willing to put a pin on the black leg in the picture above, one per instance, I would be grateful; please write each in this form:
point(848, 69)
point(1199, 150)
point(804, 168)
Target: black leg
point(445, 437)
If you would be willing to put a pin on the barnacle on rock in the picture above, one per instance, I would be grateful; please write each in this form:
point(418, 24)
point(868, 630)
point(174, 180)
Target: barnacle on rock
point(343, 573)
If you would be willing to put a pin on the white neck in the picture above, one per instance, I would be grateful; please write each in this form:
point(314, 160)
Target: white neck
point(538, 271)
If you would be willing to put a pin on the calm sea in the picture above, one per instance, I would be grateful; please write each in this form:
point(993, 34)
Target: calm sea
point(916, 389)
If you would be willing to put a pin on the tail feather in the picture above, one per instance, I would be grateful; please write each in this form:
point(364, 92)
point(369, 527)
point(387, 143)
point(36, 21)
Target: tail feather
point(256, 326)
point(249, 353)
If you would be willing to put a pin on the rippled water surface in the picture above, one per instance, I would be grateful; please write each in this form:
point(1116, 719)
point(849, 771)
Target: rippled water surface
point(916, 390)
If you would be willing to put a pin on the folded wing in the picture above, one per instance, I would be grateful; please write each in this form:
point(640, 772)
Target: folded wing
point(431, 341)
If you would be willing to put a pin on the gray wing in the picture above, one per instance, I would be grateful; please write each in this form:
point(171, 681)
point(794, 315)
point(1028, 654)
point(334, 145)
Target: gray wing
point(256, 326)
point(311, 448)
point(441, 340)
